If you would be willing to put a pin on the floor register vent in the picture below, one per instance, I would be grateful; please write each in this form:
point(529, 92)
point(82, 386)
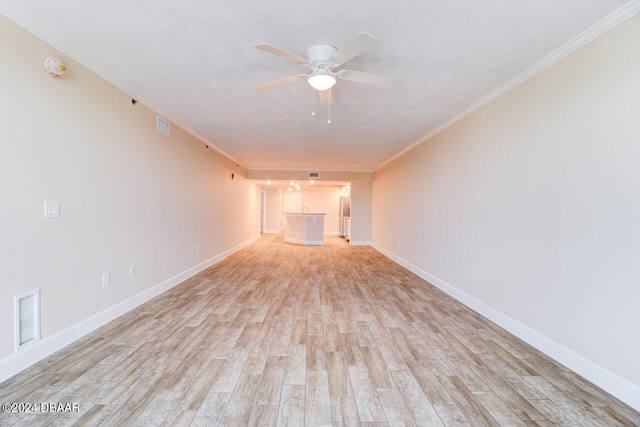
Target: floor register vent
point(27, 318)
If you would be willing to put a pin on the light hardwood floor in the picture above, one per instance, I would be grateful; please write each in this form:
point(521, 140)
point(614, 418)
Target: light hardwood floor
point(287, 335)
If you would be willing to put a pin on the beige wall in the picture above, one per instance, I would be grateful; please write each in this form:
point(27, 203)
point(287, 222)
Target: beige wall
point(128, 195)
point(529, 210)
point(303, 175)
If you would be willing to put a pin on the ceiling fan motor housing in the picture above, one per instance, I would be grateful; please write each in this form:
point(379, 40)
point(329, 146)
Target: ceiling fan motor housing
point(319, 56)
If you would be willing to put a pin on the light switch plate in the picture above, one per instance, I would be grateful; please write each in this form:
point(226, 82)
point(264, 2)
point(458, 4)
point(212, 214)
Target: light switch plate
point(51, 210)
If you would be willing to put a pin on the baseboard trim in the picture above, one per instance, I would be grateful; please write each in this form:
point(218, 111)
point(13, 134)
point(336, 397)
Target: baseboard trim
point(359, 243)
point(29, 356)
point(270, 231)
point(612, 383)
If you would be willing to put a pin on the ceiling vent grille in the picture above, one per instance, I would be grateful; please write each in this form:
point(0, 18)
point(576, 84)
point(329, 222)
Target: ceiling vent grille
point(314, 174)
point(27, 319)
point(163, 126)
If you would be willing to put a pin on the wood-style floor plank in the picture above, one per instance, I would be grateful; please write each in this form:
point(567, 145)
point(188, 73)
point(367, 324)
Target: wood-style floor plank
point(284, 335)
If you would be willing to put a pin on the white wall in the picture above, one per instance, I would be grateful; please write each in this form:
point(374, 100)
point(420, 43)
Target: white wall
point(128, 194)
point(360, 213)
point(273, 214)
point(539, 194)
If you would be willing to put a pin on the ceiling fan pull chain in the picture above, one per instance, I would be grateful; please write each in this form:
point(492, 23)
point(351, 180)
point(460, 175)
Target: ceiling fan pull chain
point(329, 108)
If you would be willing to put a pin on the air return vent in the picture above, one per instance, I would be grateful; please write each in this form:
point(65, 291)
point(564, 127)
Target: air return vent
point(314, 174)
point(27, 318)
point(163, 126)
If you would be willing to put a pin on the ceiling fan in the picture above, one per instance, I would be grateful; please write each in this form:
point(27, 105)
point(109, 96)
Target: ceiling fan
point(322, 59)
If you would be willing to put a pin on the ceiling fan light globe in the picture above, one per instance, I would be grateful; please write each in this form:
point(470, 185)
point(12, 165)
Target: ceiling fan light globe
point(322, 81)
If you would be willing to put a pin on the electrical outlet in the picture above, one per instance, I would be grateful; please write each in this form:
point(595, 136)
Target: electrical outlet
point(473, 272)
point(132, 270)
point(51, 210)
point(106, 279)
point(198, 248)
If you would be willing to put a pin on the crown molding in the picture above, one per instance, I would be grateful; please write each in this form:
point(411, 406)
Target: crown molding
point(603, 26)
point(27, 24)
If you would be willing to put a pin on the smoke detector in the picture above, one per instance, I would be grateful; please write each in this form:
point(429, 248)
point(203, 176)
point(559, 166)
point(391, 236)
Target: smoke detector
point(55, 67)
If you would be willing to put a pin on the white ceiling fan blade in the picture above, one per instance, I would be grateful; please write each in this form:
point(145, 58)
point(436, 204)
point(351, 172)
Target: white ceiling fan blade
point(366, 78)
point(282, 81)
point(283, 53)
point(355, 47)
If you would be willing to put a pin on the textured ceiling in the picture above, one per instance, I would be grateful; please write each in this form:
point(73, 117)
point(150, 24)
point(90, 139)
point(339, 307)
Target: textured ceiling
point(194, 61)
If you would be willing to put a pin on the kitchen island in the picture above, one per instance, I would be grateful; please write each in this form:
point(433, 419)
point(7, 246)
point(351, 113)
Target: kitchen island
point(304, 228)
